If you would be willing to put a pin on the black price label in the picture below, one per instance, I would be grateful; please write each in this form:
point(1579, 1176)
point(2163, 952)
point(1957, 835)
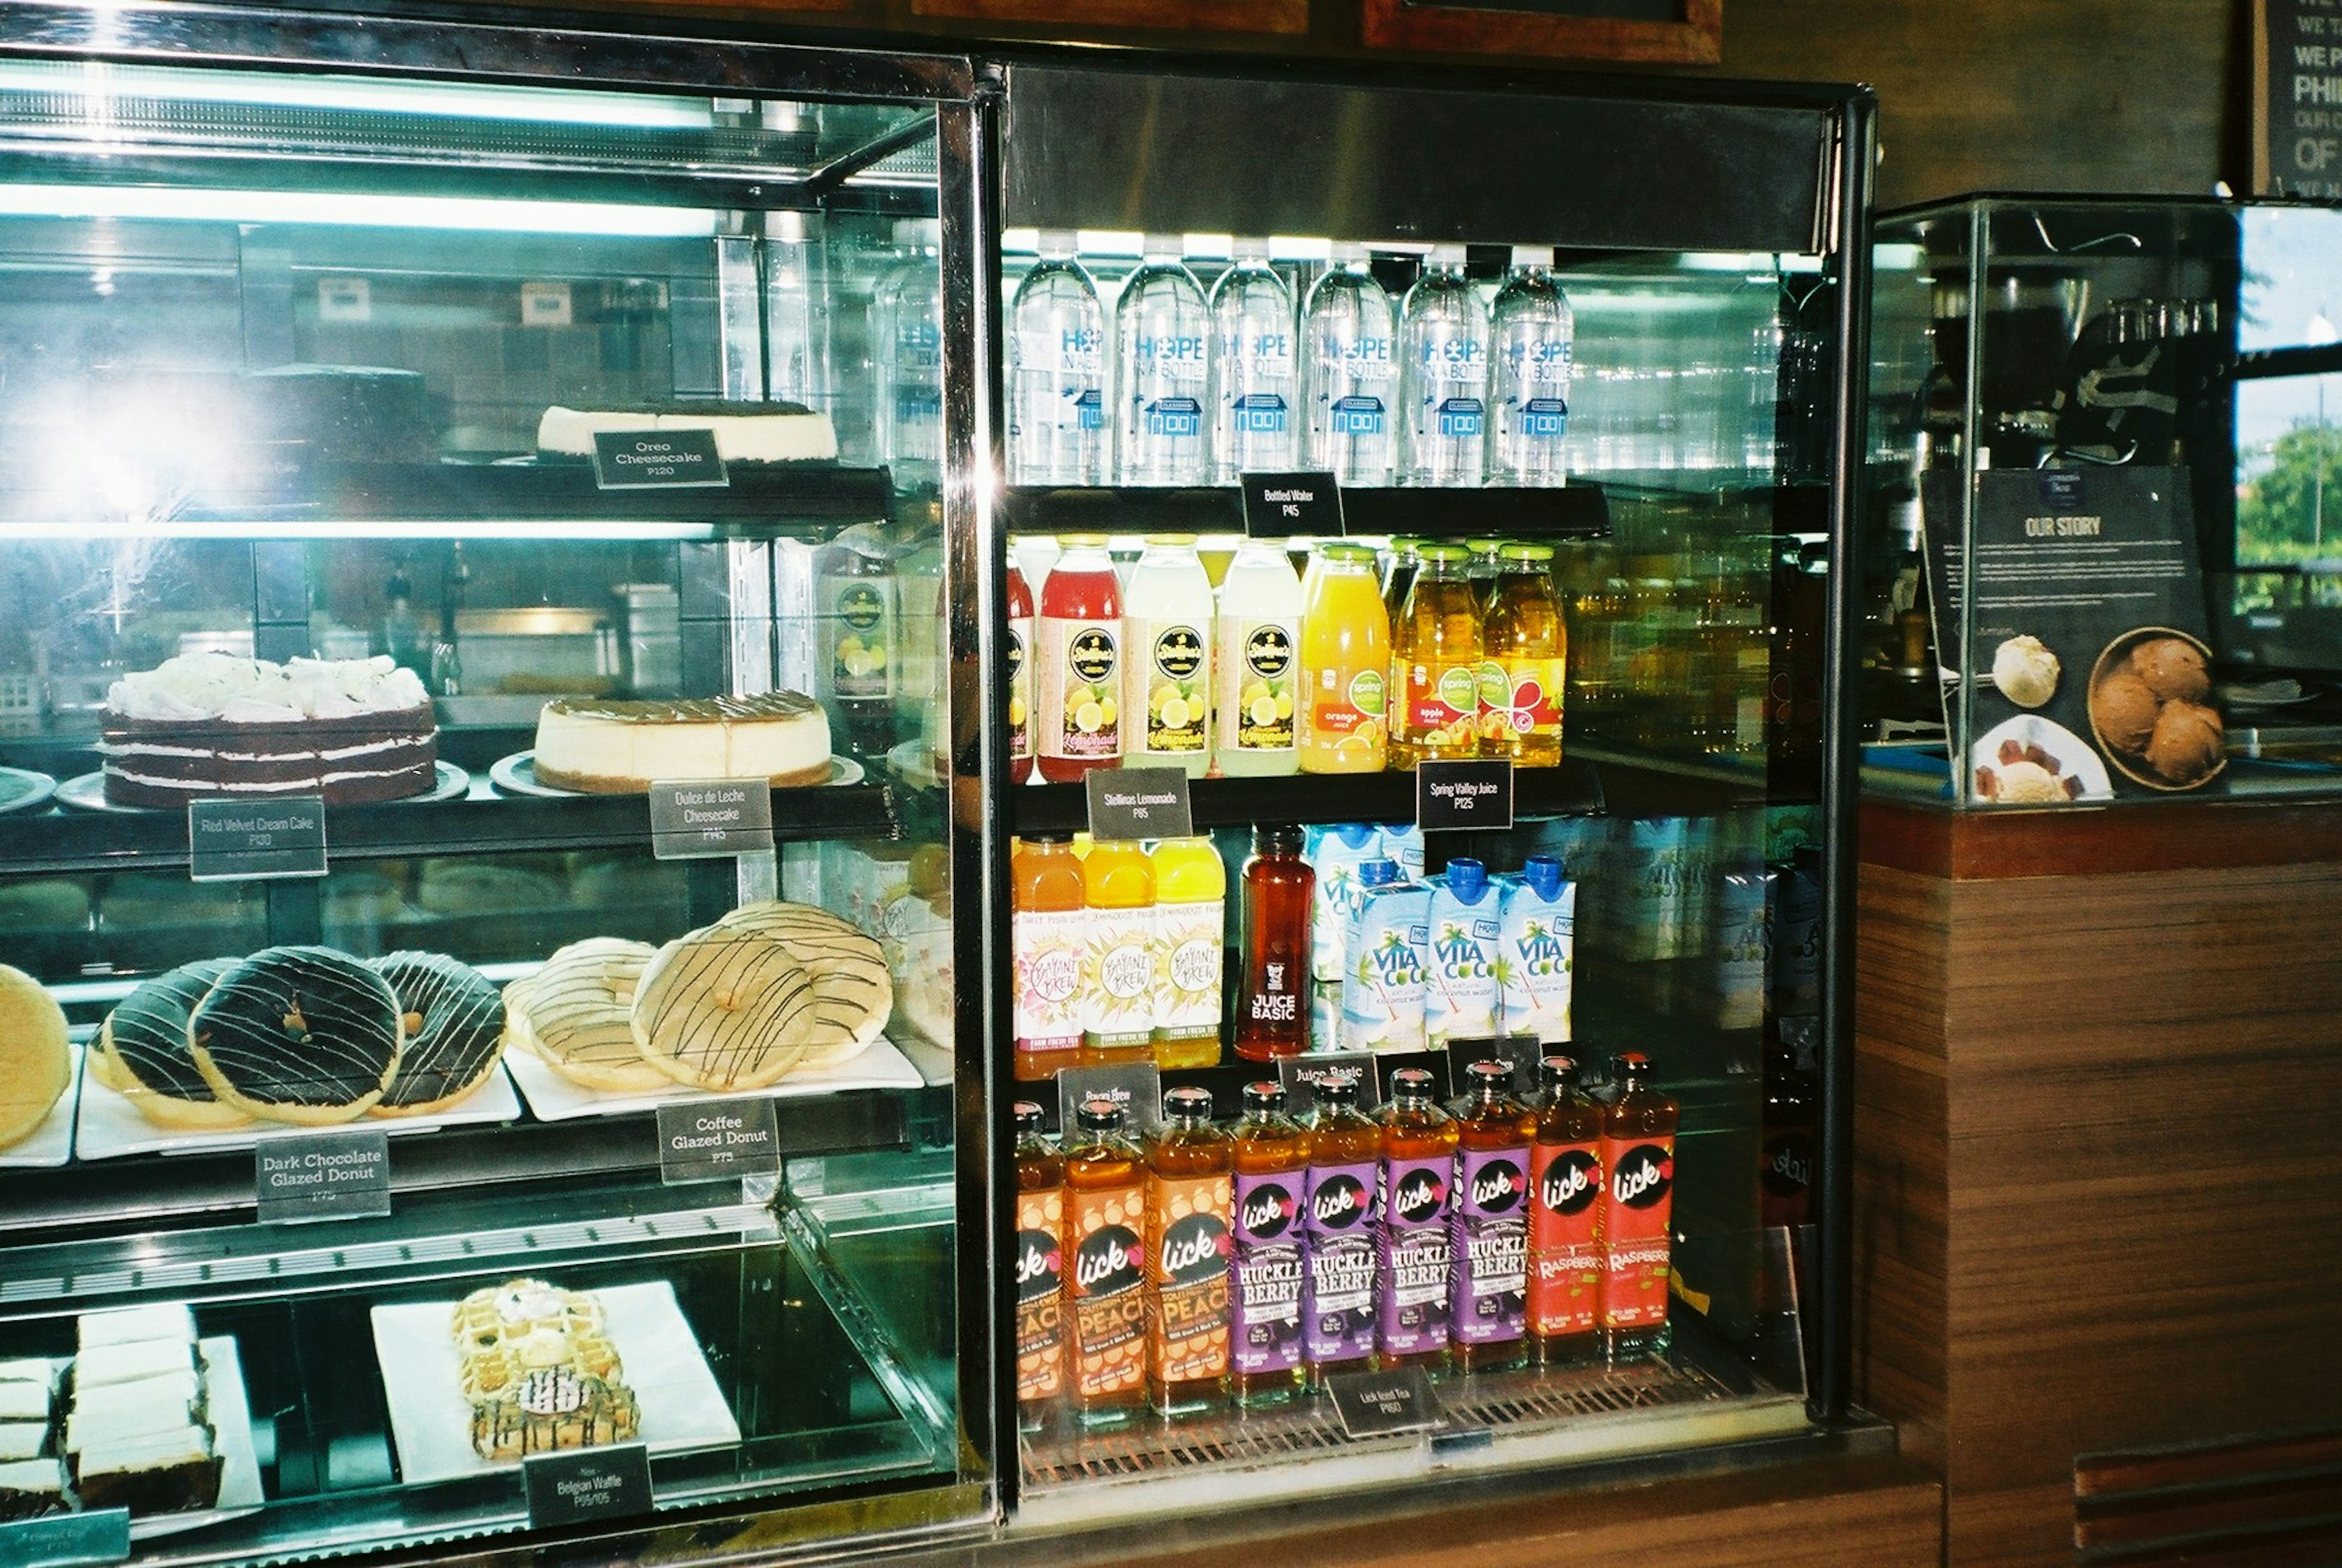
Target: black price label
point(658, 460)
point(94, 1540)
point(1135, 1086)
point(1458, 795)
point(1283, 505)
point(1521, 1053)
point(702, 819)
point(327, 1176)
point(1140, 803)
point(587, 1487)
point(1302, 1075)
point(1378, 1403)
point(251, 841)
point(712, 1140)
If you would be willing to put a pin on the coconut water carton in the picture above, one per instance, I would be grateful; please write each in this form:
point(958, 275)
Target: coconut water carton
point(1385, 959)
point(1537, 950)
point(1334, 852)
point(1461, 995)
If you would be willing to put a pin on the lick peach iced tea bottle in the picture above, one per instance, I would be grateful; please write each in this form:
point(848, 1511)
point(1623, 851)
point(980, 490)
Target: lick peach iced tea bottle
point(1106, 1287)
point(1189, 1194)
point(1040, 1267)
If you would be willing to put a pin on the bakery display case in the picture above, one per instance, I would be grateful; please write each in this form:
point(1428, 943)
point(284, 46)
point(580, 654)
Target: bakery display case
point(477, 888)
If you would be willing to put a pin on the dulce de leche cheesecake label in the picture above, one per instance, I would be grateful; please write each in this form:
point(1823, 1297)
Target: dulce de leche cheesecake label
point(697, 819)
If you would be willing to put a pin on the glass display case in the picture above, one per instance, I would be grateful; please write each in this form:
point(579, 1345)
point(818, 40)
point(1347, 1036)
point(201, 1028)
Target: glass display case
point(2099, 446)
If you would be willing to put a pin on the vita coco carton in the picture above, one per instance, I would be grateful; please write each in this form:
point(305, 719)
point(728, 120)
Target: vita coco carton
point(1383, 979)
point(1335, 853)
point(1460, 994)
point(1537, 950)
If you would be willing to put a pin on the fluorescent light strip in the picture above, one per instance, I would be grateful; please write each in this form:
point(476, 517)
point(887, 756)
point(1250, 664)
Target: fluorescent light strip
point(601, 219)
point(586, 529)
point(98, 79)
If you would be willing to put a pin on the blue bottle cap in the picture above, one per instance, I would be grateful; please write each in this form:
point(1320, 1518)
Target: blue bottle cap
point(1377, 872)
point(1353, 833)
point(1543, 873)
point(1467, 878)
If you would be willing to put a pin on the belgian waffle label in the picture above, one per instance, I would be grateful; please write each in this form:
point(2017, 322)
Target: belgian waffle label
point(1040, 1295)
point(1636, 1208)
point(1492, 1202)
point(1339, 1308)
point(1418, 1260)
point(1270, 1258)
point(1564, 1268)
point(1108, 1291)
point(1188, 1322)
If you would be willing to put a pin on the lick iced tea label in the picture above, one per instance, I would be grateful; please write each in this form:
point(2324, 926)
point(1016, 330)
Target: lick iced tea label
point(1339, 1307)
point(1492, 1204)
point(1411, 1314)
point(1040, 1296)
point(1188, 1324)
point(1108, 1293)
point(1265, 1300)
point(1635, 1207)
point(1564, 1266)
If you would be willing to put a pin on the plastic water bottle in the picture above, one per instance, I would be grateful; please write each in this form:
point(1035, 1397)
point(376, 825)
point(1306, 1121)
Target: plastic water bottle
point(1352, 372)
point(1056, 372)
point(1162, 360)
point(906, 328)
point(1255, 398)
point(1533, 330)
point(1444, 335)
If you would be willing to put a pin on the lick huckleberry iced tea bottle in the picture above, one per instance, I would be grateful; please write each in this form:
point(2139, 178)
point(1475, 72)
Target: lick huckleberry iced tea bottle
point(1344, 1161)
point(1419, 1174)
point(1271, 1156)
point(1488, 1316)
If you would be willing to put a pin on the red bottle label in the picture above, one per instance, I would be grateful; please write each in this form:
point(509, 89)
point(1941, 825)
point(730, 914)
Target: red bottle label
point(1564, 1268)
point(1637, 1201)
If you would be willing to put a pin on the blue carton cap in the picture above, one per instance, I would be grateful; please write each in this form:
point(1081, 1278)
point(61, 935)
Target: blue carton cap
point(1541, 871)
point(1377, 872)
point(1465, 878)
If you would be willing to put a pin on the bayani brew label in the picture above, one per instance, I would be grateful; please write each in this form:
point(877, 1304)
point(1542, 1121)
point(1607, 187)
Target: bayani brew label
point(1046, 946)
point(1187, 1277)
point(1636, 1205)
point(1565, 1263)
point(1108, 1291)
point(1412, 1312)
point(1339, 1305)
point(1270, 1257)
point(1187, 956)
point(1118, 976)
point(1040, 1296)
point(1492, 1238)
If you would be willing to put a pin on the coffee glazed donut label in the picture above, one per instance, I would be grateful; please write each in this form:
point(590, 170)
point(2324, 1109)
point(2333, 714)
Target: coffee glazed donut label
point(717, 1140)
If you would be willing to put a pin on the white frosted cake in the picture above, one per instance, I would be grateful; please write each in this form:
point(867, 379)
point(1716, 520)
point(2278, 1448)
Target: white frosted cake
point(744, 431)
point(600, 747)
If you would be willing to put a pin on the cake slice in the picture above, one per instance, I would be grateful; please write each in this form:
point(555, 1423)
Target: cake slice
point(148, 1406)
point(23, 1440)
point(129, 1325)
point(156, 1472)
point(30, 1488)
point(30, 1369)
point(130, 1362)
point(26, 1400)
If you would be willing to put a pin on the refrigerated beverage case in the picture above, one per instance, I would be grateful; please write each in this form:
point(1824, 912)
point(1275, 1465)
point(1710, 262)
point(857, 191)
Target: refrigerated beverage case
point(1436, 663)
point(1532, 332)
point(1444, 348)
point(1335, 852)
point(1489, 1316)
point(1257, 664)
point(1045, 930)
point(1537, 944)
point(1460, 989)
point(1345, 662)
point(1351, 373)
point(1079, 651)
point(1273, 992)
point(1191, 889)
point(907, 335)
point(1384, 958)
point(1117, 956)
point(1162, 361)
point(1525, 661)
point(1270, 1154)
point(1166, 684)
point(1564, 1199)
point(1638, 1165)
point(1190, 1195)
point(1339, 1300)
point(1418, 1172)
point(1256, 385)
point(1020, 677)
point(1105, 1206)
point(1040, 1266)
point(1056, 372)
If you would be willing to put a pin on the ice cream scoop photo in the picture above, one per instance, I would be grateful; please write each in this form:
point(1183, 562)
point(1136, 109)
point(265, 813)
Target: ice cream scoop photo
point(2030, 760)
point(2150, 709)
point(2026, 671)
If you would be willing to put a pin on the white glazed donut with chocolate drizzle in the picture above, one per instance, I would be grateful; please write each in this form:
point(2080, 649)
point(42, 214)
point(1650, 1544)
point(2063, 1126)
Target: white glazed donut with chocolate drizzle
point(725, 1010)
point(853, 993)
point(455, 1026)
point(299, 1035)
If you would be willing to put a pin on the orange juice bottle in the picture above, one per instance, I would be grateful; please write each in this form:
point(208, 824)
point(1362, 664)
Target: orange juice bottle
point(1345, 662)
point(1045, 929)
point(1117, 954)
point(1191, 890)
point(1435, 661)
point(1525, 664)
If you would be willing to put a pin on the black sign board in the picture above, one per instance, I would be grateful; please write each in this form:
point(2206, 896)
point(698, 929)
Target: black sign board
point(94, 1540)
point(1300, 1076)
point(658, 460)
point(1456, 796)
point(701, 819)
point(1135, 1086)
point(325, 1176)
point(1522, 1053)
point(249, 841)
point(587, 1487)
point(1140, 803)
point(2297, 66)
point(1379, 1404)
point(713, 1140)
point(1286, 505)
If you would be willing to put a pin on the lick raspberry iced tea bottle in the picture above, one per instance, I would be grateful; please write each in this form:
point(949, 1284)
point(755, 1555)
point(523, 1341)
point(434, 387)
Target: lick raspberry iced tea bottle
point(1565, 1195)
point(1189, 1194)
point(1488, 1312)
point(1040, 1267)
point(1418, 1175)
point(1639, 1164)
point(1344, 1160)
point(1271, 1158)
point(1105, 1288)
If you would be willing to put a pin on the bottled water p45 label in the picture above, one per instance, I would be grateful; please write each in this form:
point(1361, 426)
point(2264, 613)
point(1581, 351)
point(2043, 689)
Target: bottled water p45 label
point(1057, 372)
point(1444, 340)
point(1163, 338)
point(1533, 328)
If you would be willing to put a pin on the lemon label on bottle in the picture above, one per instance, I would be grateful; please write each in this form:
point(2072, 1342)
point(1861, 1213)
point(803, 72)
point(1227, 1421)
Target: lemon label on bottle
point(1177, 707)
point(861, 660)
point(1020, 692)
point(1118, 977)
point(1257, 680)
point(1085, 718)
point(1187, 959)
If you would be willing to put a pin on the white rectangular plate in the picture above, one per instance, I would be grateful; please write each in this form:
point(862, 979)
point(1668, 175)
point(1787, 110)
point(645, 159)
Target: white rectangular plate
point(658, 1356)
point(52, 1141)
point(554, 1098)
point(231, 1419)
point(110, 1125)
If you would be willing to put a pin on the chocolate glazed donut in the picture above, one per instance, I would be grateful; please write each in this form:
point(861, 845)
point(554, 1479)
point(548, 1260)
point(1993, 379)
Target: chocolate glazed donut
point(300, 1034)
point(147, 1035)
point(454, 1021)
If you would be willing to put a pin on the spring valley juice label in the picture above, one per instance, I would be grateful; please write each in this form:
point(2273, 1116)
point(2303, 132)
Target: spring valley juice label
point(1266, 1299)
point(1565, 1265)
point(1443, 703)
point(1108, 1291)
point(1492, 1236)
point(1187, 1321)
point(1020, 691)
point(1178, 706)
point(1048, 964)
point(1412, 1313)
point(1188, 958)
point(1259, 657)
point(1521, 696)
point(1637, 1204)
point(1117, 976)
point(861, 656)
point(1348, 708)
point(1080, 683)
point(1040, 1295)
point(1339, 1305)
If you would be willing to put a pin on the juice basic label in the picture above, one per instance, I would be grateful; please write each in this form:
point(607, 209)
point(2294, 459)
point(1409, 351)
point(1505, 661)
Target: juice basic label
point(1565, 1265)
point(1108, 1291)
point(1492, 1204)
point(1187, 1323)
point(1637, 1204)
point(1416, 1256)
point(1266, 1301)
point(1040, 1295)
point(1048, 964)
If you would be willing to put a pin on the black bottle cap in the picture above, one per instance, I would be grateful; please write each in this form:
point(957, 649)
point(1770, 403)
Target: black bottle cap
point(1412, 1085)
point(1490, 1080)
point(1030, 1118)
point(1280, 838)
point(1188, 1104)
point(1337, 1089)
point(1557, 1071)
point(1266, 1097)
point(1100, 1116)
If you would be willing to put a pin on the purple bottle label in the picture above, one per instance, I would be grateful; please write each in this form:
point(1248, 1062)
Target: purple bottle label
point(1264, 1332)
point(1338, 1307)
point(1491, 1246)
point(1412, 1298)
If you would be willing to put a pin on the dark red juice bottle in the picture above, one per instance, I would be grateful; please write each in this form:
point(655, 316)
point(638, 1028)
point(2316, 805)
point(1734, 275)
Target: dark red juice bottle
point(1272, 1012)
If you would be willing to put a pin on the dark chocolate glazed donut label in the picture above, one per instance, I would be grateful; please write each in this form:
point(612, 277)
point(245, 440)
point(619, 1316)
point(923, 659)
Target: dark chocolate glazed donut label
point(324, 1176)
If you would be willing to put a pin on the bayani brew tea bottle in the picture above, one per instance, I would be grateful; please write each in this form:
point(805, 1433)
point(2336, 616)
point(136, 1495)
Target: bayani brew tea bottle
point(1040, 1268)
point(1189, 1194)
point(1565, 1198)
point(1418, 1175)
point(1488, 1314)
point(1105, 1288)
point(1639, 1163)
point(1344, 1160)
point(1271, 1156)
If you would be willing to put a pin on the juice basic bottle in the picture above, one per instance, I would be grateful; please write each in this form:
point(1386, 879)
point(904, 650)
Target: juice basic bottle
point(1078, 649)
point(1338, 1301)
point(1117, 954)
point(1270, 1153)
point(1105, 1290)
point(1189, 1197)
point(1436, 663)
point(1345, 662)
point(1639, 1163)
point(1046, 923)
point(1256, 663)
point(1273, 992)
point(1419, 1174)
point(1191, 889)
point(1020, 677)
point(1525, 667)
point(1488, 1313)
point(1564, 1196)
point(1040, 1267)
point(1166, 682)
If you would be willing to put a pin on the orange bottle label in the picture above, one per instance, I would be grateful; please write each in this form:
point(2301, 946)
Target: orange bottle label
point(1637, 1201)
point(1040, 1295)
point(1564, 1267)
point(1187, 1275)
point(1108, 1291)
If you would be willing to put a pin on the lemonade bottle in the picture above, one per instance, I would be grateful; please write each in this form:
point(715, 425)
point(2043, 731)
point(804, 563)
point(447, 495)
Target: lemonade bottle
point(1526, 662)
point(1256, 642)
point(1046, 933)
point(1076, 659)
point(1345, 661)
point(1117, 954)
point(1436, 663)
point(1167, 680)
point(1191, 890)
point(1020, 676)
